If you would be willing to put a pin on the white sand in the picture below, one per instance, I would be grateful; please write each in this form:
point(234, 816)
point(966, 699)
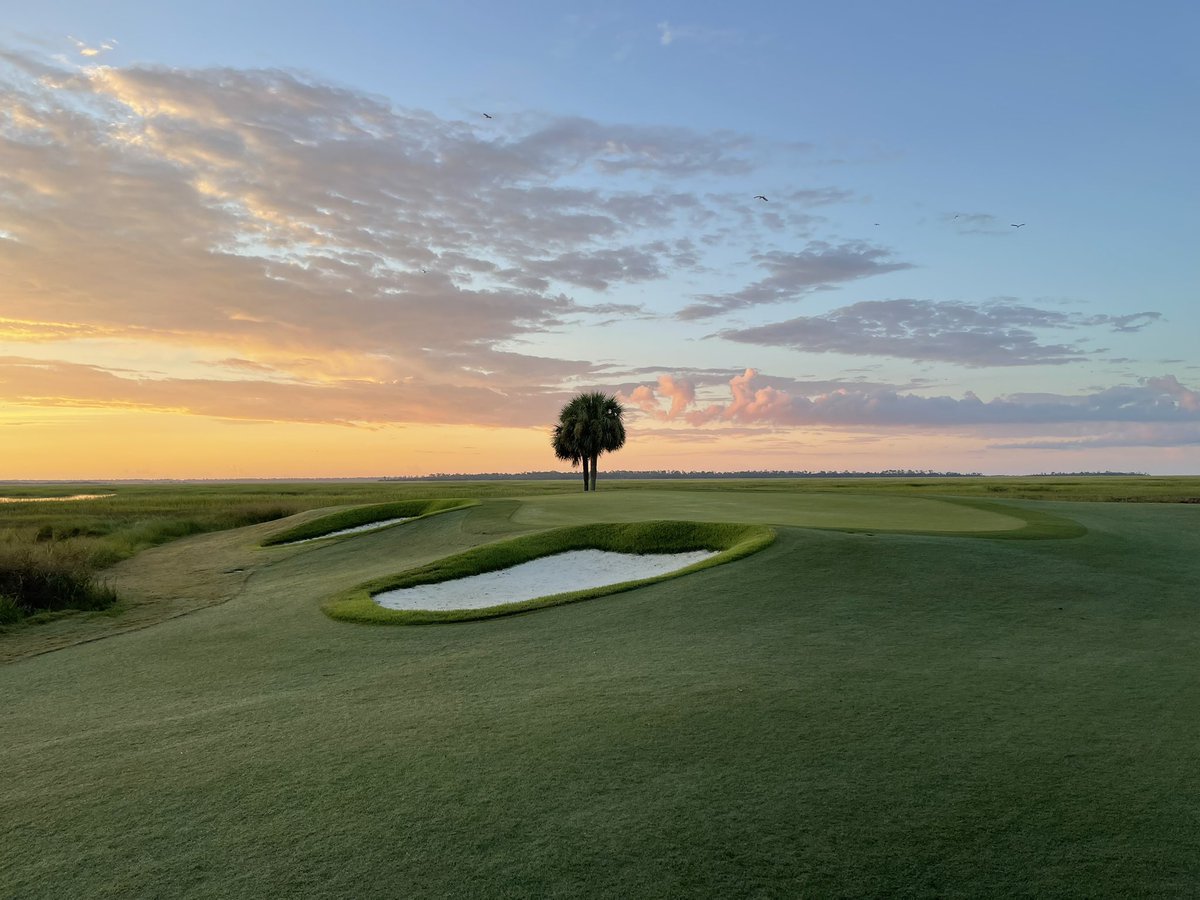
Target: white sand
point(370, 526)
point(574, 570)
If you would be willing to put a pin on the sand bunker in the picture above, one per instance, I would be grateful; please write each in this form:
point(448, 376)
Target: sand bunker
point(574, 570)
point(370, 526)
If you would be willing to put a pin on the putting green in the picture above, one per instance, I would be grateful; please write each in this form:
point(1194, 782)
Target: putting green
point(854, 511)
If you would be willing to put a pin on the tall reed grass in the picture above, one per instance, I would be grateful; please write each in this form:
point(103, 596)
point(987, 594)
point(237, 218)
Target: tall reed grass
point(52, 557)
point(44, 578)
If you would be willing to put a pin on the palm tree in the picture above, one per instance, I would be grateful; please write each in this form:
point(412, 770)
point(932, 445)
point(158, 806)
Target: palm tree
point(590, 424)
point(567, 447)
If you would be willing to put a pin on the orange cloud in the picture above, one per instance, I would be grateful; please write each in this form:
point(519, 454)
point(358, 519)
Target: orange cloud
point(680, 392)
point(42, 384)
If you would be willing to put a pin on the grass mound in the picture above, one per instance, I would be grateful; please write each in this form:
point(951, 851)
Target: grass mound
point(1039, 524)
point(732, 541)
point(364, 515)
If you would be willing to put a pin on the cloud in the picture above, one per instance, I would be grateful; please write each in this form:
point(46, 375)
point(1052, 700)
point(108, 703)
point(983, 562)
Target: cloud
point(793, 274)
point(679, 392)
point(570, 143)
point(668, 34)
point(350, 401)
point(317, 254)
point(703, 378)
point(1142, 435)
point(1000, 333)
point(90, 51)
point(268, 217)
point(977, 223)
point(247, 365)
point(754, 401)
point(816, 196)
point(599, 269)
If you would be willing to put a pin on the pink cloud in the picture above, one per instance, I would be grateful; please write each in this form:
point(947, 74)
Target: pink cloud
point(749, 405)
point(643, 398)
point(1186, 399)
point(753, 401)
point(679, 391)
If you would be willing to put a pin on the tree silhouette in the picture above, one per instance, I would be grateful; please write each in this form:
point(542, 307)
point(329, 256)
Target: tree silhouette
point(589, 425)
point(567, 448)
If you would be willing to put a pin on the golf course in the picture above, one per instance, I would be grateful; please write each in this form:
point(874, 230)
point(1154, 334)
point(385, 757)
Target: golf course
point(877, 687)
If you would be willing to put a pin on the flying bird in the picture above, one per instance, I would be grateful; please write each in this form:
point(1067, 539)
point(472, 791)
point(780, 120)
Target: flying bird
point(1018, 226)
point(761, 197)
point(486, 116)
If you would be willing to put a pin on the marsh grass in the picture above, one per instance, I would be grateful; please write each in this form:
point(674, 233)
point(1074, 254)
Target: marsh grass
point(51, 553)
point(731, 541)
point(38, 579)
point(53, 566)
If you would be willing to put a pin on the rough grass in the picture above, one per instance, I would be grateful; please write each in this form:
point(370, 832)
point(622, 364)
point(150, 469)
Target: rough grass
point(364, 515)
point(53, 554)
point(733, 541)
point(36, 580)
point(107, 530)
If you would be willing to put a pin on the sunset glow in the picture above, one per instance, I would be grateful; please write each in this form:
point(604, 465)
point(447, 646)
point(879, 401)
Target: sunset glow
point(267, 259)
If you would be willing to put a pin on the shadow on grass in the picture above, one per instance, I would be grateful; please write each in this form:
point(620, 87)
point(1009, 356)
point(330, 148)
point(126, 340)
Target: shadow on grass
point(1039, 525)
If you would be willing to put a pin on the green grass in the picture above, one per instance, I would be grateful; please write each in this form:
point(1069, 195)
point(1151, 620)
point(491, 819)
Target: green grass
point(814, 510)
point(844, 713)
point(363, 515)
point(1036, 523)
point(733, 541)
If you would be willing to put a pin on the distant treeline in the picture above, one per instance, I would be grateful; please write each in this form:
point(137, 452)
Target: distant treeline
point(1087, 474)
point(677, 473)
point(660, 474)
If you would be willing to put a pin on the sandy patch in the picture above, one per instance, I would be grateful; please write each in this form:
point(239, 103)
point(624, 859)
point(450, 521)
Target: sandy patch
point(370, 526)
point(574, 570)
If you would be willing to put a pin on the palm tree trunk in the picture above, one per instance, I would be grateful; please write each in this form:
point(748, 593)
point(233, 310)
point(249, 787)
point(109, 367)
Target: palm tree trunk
point(585, 474)
point(595, 466)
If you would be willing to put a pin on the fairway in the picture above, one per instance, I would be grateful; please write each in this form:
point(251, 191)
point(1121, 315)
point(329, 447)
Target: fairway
point(704, 451)
point(857, 511)
point(842, 713)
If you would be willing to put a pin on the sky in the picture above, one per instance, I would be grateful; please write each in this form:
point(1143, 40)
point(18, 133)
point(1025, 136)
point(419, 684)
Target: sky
point(260, 239)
